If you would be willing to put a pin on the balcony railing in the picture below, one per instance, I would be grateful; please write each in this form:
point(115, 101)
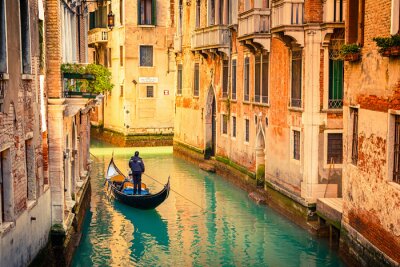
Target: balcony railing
point(254, 21)
point(216, 36)
point(97, 35)
point(286, 14)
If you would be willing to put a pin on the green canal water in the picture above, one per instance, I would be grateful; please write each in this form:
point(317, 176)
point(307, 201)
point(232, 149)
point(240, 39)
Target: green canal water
point(223, 228)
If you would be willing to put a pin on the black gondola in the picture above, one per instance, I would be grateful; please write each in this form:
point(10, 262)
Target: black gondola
point(115, 179)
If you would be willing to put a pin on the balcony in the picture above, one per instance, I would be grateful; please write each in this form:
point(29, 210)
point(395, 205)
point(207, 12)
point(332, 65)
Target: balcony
point(254, 28)
point(333, 17)
point(97, 36)
point(211, 39)
point(288, 20)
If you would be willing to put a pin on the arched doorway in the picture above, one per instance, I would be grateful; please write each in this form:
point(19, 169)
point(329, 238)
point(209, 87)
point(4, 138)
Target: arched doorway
point(260, 153)
point(210, 121)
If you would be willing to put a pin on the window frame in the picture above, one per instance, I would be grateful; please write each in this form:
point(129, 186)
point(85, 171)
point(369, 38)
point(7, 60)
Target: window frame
point(296, 102)
point(144, 21)
point(25, 38)
point(335, 97)
point(152, 91)
point(234, 127)
point(327, 163)
point(234, 79)
point(179, 79)
point(246, 130)
point(293, 145)
point(354, 115)
point(121, 55)
point(225, 78)
point(224, 124)
point(246, 79)
point(395, 14)
point(140, 56)
point(196, 80)
point(3, 39)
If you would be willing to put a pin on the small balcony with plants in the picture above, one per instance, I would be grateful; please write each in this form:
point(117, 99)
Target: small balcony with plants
point(85, 81)
point(388, 46)
point(350, 52)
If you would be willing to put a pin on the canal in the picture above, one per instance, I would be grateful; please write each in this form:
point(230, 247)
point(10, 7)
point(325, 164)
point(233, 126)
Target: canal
point(213, 223)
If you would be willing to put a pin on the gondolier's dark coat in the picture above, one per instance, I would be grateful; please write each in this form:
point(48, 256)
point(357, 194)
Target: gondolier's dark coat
point(136, 164)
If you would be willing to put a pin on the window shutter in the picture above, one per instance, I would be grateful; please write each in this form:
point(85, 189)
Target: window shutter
point(138, 12)
point(153, 12)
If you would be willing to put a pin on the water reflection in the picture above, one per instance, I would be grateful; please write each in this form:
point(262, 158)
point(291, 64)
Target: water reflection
point(223, 228)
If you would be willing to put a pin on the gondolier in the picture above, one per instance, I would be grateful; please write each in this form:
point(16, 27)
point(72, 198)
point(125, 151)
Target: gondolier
point(137, 167)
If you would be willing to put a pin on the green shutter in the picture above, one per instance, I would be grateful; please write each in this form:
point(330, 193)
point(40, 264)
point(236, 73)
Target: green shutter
point(153, 12)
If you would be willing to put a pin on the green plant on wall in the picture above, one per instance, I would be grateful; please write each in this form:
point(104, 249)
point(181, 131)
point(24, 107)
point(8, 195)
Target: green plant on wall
point(100, 83)
point(260, 175)
point(347, 49)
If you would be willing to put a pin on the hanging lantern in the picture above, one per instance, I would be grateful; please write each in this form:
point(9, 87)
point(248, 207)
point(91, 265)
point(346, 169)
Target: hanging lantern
point(110, 20)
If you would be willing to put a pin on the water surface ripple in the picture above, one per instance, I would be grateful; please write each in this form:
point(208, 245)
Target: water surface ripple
point(230, 229)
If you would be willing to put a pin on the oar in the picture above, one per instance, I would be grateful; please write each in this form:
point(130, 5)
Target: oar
point(177, 193)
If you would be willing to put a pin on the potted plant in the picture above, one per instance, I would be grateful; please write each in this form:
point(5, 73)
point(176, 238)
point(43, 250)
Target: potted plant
point(395, 49)
point(350, 52)
point(388, 46)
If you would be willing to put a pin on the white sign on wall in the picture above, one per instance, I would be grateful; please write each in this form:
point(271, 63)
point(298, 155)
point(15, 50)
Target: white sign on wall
point(148, 79)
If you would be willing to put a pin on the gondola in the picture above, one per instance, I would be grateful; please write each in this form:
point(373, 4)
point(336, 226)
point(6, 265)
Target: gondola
point(115, 183)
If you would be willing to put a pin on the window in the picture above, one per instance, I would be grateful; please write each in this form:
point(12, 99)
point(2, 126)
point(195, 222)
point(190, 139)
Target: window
point(354, 143)
point(196, 79)
point(3, 39)
point(225, 70)
point(30, 170)
point(355, 21)
point(234, 79)
point(147, 12)
point(224, 124)
point(25, 37)
point(146, 56)
point(335, 100)
point(149, 91)
point(121, 12)
point(335, 148)
point(338, 11)
point(180, 18)
point(246, 79)
point(197, 13)
point(109, 58)
point(211, 13)
point(396, 152)
point(6, 187)
point(297, 14)
point(105, 59)
point(295, 100)
point(296, 145)
point(179, 80)
point(257, 70)
point(264, 78)
point(121, 56)
point(247, 130)
point(121, 92)
point(233, 126)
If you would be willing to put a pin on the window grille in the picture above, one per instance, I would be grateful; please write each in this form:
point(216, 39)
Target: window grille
point(247, 130)
point(146, 56)
point(233, 126)
point(246, 79)
point(296, 145)
point(335, 148)
point(224, 124)
point(196, 79)
point(179, 89)
point(149, 91)
point(396, 163)
point(234, 79)
point(354, 143)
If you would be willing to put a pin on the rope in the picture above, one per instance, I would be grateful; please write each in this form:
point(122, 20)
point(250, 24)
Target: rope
point(194, 203)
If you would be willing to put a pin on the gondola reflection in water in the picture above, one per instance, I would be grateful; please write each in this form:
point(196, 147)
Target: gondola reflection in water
point(117, 184)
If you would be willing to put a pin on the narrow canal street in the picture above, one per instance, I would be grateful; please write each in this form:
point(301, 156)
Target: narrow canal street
point(231, 230)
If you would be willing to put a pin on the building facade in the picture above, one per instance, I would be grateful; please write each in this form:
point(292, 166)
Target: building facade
point(24, 171)
point(138, 51)
point(371, 214)
point(260, 84)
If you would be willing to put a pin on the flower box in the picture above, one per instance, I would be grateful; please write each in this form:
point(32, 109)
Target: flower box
point(352, 57)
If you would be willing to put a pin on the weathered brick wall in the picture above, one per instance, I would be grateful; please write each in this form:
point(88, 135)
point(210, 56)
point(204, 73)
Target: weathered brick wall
point(53, 48)
point(373, 84)
point(313, 11)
